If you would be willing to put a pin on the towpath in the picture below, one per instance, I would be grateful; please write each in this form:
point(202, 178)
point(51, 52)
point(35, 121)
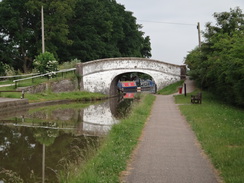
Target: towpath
point(168, 151)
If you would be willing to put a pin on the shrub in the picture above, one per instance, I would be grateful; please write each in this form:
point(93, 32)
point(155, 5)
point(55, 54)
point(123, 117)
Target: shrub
point(45, 62)
point(68, 65)
point(6, 69)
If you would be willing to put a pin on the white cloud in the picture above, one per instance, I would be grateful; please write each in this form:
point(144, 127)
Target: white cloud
point(171, 42)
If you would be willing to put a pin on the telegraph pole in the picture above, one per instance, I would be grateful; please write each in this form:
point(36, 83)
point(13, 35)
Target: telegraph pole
point(43, 40)
point(199, 34)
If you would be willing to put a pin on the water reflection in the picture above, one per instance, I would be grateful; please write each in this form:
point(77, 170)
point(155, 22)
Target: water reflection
point(37, 145)
point(98, 119)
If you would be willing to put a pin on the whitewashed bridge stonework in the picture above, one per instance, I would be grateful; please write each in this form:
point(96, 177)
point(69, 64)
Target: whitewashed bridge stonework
point(102, 75)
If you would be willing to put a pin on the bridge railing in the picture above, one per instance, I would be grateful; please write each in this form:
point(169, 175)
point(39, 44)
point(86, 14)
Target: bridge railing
point(42, 75)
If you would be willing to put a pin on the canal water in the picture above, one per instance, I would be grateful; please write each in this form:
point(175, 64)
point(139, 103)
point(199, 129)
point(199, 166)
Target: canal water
point(39, 144)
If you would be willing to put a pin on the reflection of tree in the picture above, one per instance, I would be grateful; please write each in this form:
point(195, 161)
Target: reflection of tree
point(21, 152)
point(123, 108)
point(45, 136)
point(18, 148)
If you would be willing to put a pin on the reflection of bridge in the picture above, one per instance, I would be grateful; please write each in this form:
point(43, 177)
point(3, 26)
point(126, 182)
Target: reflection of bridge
point(94, 120)
point(28, 125)
point(102, 75)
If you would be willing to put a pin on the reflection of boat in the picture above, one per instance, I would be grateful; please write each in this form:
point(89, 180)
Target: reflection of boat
point(129, 95)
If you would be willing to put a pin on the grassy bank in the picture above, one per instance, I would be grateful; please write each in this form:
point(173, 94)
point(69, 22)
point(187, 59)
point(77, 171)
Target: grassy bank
point(50, 96)
point(220, 129)
point(173, 88)
point(77, 96)
point(111, 159)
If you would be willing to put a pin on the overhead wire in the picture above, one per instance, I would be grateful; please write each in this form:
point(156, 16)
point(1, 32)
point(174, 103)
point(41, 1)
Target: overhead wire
point(151, 21)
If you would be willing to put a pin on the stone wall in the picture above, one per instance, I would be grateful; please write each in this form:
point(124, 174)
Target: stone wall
point(65, 85)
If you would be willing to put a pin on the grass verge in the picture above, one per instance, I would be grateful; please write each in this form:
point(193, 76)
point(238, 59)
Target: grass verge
point(111, 159)
point(173, 88)
point(50, 96)
point(220, 129)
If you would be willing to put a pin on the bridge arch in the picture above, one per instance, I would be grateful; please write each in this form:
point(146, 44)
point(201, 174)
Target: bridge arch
point(101, 75)
point(113, 85)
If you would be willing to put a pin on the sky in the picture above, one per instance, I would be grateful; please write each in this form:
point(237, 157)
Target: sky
point(172, 24)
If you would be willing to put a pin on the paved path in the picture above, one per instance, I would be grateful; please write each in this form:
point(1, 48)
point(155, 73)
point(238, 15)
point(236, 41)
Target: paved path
point(168, 151)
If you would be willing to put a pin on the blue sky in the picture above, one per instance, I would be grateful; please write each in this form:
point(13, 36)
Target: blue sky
point(171, 42)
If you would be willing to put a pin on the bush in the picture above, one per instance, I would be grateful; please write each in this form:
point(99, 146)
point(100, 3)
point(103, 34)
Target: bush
point(218, 66)
point(68, 65)
point(6, 69)
point(2, 72)
point(45, 62)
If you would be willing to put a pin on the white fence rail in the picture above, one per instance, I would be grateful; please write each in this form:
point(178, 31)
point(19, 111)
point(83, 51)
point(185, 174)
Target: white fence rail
point(17, 76)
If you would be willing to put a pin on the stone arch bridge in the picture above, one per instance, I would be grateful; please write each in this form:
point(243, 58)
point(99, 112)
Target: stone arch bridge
point(102, 75)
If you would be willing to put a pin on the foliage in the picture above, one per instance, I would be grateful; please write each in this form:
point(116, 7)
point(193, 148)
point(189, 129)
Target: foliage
point(10, 176)
point(45, 62)
point(2, 71)
point(83, 29)
point(219, 65)
point(68, 65)
point(103, 29)
point(20, 29)
point(6, 69)
point(219, 128)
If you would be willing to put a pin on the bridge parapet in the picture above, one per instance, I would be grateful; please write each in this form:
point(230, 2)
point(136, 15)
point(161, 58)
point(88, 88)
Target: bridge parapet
point(130, 63)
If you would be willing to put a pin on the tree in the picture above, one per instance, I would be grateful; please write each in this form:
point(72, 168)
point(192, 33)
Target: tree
point(20, 29)
point(83, 29)
point(219, 65)
point(103, 29)
point(146, 48)
point(16, 33)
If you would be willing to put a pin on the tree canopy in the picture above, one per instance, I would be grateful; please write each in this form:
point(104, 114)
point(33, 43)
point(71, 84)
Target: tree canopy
point(83, 29)
point(219, 65)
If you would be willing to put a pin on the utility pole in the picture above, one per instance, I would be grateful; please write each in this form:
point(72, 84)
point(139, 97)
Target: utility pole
point(199, 34)
point(43, 40)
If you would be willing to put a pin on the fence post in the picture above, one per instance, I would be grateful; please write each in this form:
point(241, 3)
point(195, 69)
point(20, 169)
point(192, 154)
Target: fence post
point(23, 94)
point(185, 89)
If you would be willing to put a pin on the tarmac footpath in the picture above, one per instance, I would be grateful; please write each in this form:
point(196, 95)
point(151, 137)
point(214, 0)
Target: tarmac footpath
point(168, 151)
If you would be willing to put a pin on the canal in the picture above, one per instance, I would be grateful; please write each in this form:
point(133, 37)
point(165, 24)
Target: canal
point(39, 144)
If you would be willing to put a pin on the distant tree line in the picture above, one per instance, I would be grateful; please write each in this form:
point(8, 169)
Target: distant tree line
point(219, 64)
point(82, 29)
